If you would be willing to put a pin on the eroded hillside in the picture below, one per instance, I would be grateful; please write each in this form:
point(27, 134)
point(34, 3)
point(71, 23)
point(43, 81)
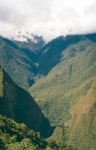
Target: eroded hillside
point(83, 123)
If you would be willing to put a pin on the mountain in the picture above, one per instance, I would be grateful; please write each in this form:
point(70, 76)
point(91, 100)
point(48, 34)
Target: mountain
point(29, 41)
point(28, 37)
point(67, 81)
point(83, 122)
point(32, 60)
point(63, 84)
point(62, 74)
point(51, 53)
point(16, 103)
point(20, 58)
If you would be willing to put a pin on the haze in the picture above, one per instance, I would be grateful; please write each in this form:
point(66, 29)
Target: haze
point(49, 18)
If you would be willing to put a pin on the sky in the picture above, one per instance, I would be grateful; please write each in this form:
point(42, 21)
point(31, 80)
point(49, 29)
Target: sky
point(47, 18)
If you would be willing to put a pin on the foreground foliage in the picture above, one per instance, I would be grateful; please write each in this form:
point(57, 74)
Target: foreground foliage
point(14, 136)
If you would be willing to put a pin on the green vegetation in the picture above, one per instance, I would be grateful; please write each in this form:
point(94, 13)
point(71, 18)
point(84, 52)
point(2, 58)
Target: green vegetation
point(1, 84)
point(69, 80)
point(83, 123)
point(17, 63)
point(57, 94)
point(16, 103)
point(14, 136)
point(65, 72)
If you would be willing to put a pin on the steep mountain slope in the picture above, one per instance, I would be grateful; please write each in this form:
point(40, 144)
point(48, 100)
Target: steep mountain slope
point(32, 59)
point(20, 58)
point(17, 104)
point(65, 89)
point(83, 121)
point(29, 41)
point(50, 54)
point(69, 80)
point(16, 62)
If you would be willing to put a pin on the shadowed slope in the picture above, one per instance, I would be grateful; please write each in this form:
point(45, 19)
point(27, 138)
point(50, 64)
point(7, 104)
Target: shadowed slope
point(17, 104)
point(20, 58)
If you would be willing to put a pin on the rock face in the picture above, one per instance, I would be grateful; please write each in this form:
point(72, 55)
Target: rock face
point(16, 103)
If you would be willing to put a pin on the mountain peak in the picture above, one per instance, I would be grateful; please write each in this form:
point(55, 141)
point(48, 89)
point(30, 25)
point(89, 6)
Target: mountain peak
point(27, 37)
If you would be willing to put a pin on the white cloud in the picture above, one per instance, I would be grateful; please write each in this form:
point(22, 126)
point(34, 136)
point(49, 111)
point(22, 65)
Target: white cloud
point(49, 18)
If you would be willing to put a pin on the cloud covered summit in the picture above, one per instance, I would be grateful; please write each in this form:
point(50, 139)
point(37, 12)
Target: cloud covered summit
point(49, 18)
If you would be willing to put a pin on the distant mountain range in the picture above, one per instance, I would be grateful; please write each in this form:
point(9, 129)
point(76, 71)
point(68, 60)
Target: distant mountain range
point(61, 78)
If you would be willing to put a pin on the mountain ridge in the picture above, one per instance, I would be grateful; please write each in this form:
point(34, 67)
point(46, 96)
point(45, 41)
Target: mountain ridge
point(20, 106)
point(61, 73)
point(34, 59)
point(72, 74)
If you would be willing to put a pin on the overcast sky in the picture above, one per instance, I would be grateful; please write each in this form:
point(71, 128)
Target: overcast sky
point(49, 18)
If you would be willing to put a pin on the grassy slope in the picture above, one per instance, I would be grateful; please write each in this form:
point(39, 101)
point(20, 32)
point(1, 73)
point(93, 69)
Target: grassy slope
point(83, 123)
point(66, 82)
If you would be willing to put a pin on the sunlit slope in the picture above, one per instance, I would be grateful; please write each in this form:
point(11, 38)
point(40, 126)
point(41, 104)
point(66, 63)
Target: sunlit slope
point(83, 123)
point(69, 80)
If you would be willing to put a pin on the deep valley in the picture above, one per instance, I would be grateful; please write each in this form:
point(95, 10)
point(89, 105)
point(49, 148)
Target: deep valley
point(48, 90)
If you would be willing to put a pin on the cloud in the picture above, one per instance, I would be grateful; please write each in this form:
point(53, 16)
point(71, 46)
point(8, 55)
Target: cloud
point(49, 18)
